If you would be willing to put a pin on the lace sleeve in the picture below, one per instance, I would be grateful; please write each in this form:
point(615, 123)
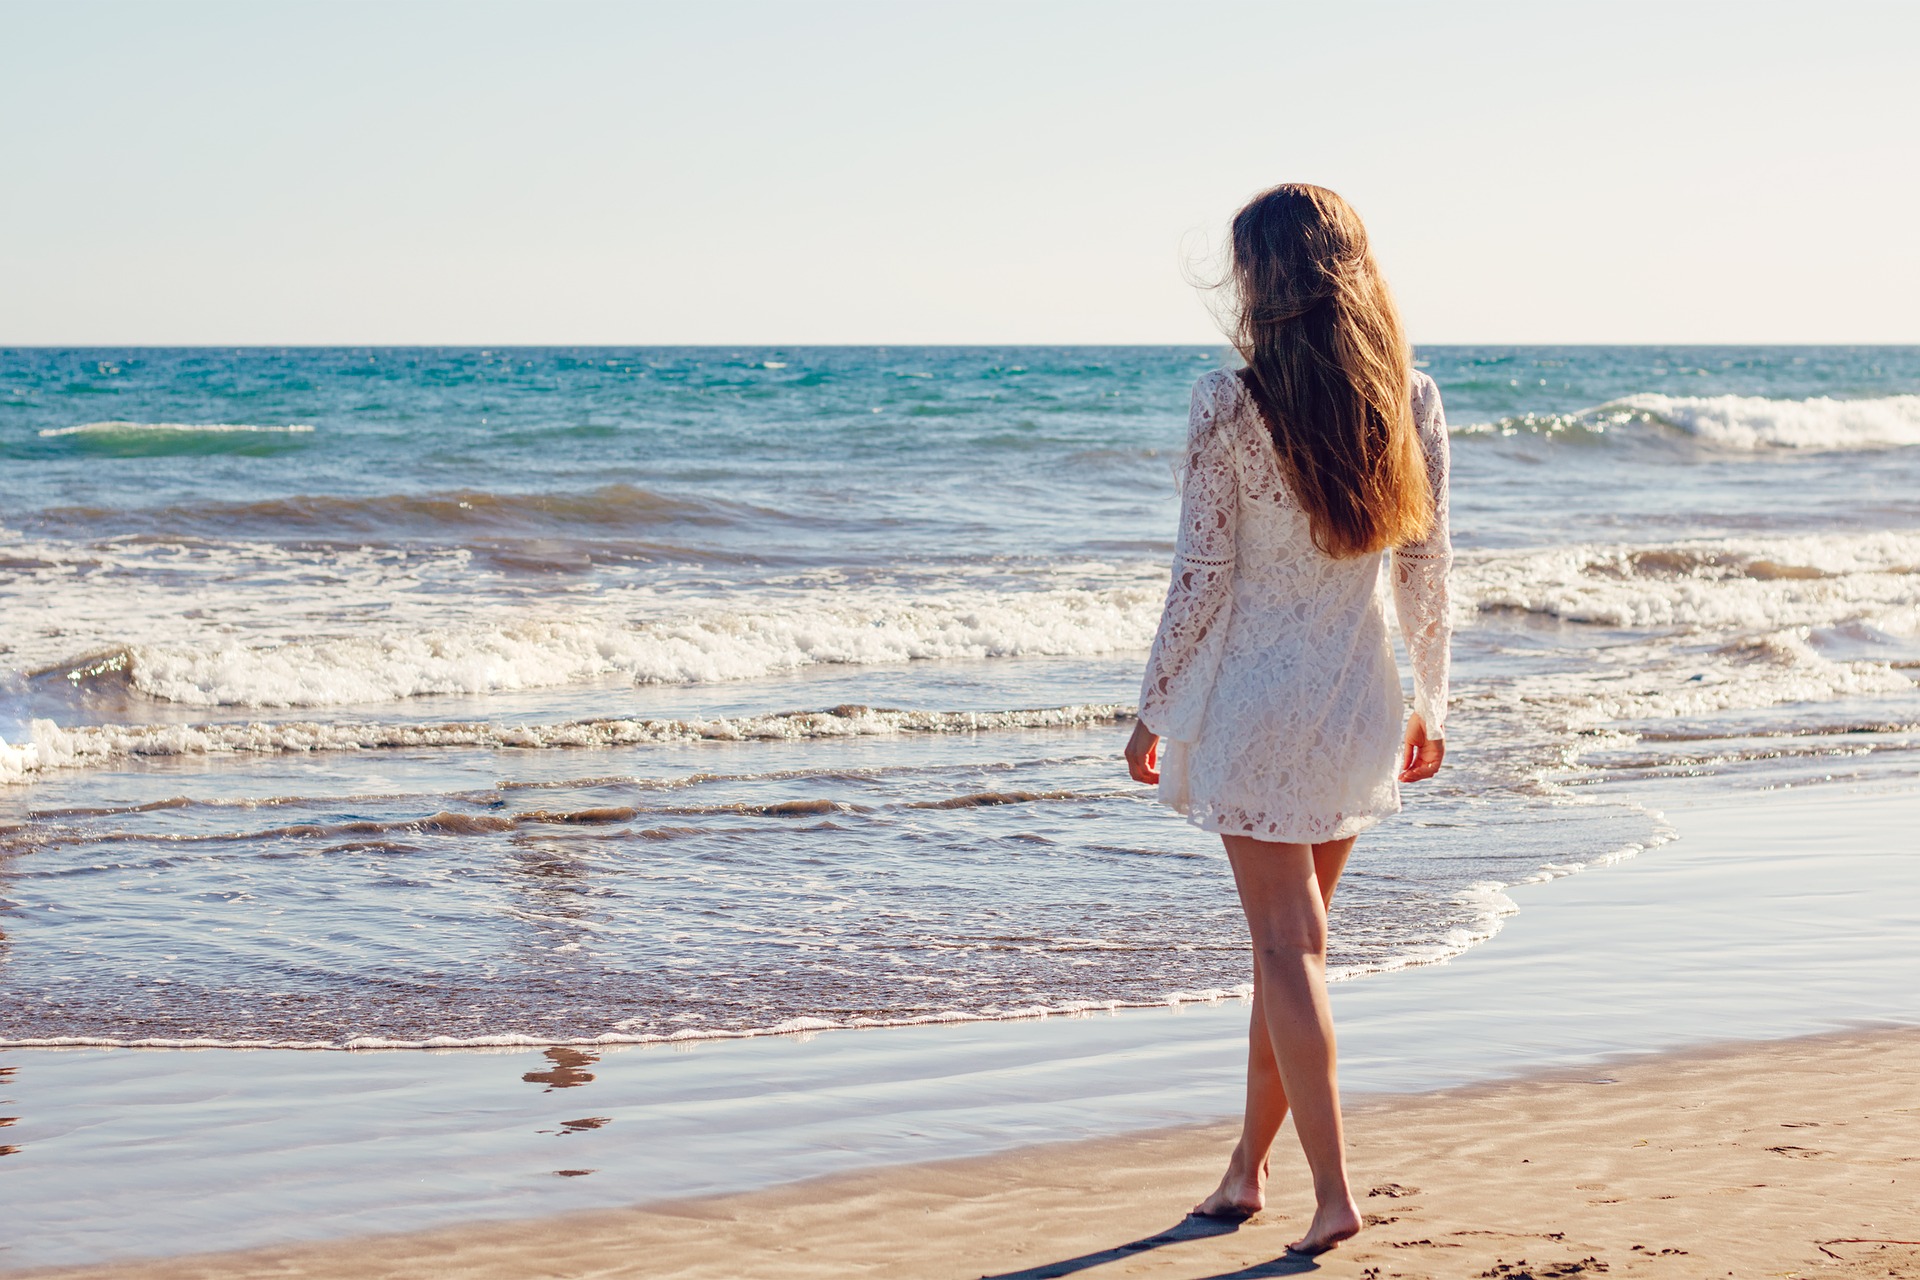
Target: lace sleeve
point(1420, 573)
point(1187, 647)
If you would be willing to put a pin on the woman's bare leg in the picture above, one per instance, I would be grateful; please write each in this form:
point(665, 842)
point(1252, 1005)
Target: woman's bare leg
point(1242, 1188)
point(1281, 891)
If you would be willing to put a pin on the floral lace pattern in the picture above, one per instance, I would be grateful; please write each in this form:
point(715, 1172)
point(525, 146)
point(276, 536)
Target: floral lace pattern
point(1271, 681)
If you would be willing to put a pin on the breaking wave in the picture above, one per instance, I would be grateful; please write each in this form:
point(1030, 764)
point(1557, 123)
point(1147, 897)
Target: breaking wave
point(543, 653)
point(608, 509)
point(1707, 626)
point(1738, 588)
point(169, 439)
point(1735, 424)
point(48, 746)
point(1716, 585)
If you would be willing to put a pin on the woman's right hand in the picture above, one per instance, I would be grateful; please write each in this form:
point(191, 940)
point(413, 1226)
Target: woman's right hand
point(1420, 759)
point(1143, 753)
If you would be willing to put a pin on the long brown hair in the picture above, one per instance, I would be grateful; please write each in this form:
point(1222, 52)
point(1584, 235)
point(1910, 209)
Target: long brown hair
point(1329, 368)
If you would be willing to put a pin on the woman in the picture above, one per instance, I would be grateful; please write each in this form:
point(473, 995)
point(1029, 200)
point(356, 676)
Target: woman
point(1271, 708)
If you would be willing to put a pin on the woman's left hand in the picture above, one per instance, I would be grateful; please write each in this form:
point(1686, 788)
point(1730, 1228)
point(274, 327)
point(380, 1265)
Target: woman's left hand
point(1143, 753)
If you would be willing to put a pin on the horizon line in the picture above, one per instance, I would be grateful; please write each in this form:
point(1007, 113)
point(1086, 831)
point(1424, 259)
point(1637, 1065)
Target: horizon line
point(846, 346)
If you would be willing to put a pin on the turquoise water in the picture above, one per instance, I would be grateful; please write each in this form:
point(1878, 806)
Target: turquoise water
point(457, 696)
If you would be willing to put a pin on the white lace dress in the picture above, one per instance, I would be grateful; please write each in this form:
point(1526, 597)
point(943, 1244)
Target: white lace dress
point(1271, 682)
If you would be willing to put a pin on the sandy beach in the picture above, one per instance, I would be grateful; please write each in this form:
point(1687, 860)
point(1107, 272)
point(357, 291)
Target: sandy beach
point(1509, 1116)
point(1795, 1158)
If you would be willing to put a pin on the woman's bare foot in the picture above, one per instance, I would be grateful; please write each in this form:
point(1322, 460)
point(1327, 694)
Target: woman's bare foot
point(1331, 1224)
point(1241, 1194)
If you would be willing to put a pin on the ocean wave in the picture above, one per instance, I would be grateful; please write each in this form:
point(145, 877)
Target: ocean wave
point(608, 509)
point(49, 746)
point(1705, 627)
point(1741, 622)
point(1753, 673)
point(1626, 691)
point(366, 833)
point(542, 653)
point(1735, 424)
point(165, 439)
point(1707, 585)
point(1773, 749)
point(162, 428)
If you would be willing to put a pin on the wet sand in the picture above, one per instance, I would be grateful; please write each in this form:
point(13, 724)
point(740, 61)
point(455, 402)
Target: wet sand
point(1790, 1158)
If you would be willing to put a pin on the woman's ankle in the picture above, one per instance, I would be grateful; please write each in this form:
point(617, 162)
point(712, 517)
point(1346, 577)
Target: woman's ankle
point(1333, 1195)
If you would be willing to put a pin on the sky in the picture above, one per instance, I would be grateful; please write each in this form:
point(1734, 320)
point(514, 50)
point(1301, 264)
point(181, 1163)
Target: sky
point(943, 171)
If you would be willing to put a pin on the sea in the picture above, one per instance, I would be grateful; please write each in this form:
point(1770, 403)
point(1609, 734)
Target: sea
point(384, 697)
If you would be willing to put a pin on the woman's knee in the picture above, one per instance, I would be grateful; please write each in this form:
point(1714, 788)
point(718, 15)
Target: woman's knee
point(1285, 940)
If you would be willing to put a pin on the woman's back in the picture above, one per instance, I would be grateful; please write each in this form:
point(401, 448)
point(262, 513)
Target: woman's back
point(1272, 678)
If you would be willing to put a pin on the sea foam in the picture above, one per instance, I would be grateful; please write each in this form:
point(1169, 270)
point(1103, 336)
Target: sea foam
point(714, 645)
point(1711, 585)
point(47, 745)
point(169, 428)
point(1706, 625)
point(176, 439)
point(1733, 587)
point(1740, 424)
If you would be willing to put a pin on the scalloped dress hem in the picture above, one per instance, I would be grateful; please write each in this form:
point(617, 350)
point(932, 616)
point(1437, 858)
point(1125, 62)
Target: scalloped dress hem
point(1345, 830)
point(1173, 792)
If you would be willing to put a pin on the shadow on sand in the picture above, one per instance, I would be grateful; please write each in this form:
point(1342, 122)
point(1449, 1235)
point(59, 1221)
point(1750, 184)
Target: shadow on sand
point(1188, 1228)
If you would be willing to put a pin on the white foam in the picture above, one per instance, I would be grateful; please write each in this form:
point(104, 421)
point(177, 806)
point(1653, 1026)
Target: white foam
point(800, 1026)
point(49, 746)
point(166, 428)
point(532, 652)
point(1490, 906)
point(19, 761)
point(1748, 610)
point(1742, 619)
point(1745, 424)
point(1757, 423)
point(1708, 585)
point(394, 639)
point(1646, 683)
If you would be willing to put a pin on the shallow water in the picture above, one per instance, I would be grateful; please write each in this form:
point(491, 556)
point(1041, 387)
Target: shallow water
point(604, 695)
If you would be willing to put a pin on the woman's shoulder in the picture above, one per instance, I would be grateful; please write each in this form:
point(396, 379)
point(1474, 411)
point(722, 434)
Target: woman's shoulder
point(1220, 375)
point(1427, 413)
point(1217, 396)
point(1425, 389)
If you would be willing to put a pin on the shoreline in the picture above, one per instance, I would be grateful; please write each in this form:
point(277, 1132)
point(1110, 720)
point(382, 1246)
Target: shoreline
point(1782, 1158)
point(1750, 931)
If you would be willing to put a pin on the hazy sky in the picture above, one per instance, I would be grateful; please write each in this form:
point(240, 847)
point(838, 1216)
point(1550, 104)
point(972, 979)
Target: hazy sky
point(330, 171)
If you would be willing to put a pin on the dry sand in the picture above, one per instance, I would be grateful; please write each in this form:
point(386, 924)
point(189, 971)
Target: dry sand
point(1778, 1159)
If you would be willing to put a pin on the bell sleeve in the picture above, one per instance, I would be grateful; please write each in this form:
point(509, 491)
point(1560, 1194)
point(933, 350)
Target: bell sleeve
point(1192, 635)
point(1420, 570)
